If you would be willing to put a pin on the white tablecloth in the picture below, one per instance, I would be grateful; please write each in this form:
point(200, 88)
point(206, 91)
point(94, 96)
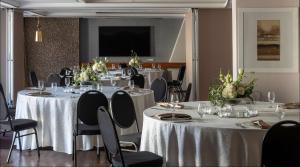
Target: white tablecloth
point(56, 117)
point(210, 141)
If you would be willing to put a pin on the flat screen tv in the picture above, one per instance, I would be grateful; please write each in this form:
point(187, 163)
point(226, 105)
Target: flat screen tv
point(120, 40)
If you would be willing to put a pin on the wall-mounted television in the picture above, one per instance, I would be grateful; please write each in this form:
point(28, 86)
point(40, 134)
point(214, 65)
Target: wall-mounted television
point(118, 41)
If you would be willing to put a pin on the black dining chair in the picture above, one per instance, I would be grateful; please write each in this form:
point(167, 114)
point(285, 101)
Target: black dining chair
point(123, 111)
point(160, 89)
point(123, 65)
point(53, 78)
point(176, 84)
point(112, 145)
point(7, 124)
point(87, 122)
point(133, 71)
point(64, 73)
point(187, 93)
point(33, 79)
point(281, 145)
point(139, 80)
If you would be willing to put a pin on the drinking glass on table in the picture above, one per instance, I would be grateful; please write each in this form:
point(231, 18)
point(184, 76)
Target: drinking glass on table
point(200, 109)
point(67, 81)
point(113, 67)
point(113, 82)
point(280, 113)
point(159, 66)
point(131, 84)
point(174, 99)
point(54, 86)
point(41, 85)
point(271, 97)
point(153, 65)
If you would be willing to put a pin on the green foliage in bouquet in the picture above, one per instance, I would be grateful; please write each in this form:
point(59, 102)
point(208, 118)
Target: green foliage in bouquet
point(84, 74)
point(225, 88)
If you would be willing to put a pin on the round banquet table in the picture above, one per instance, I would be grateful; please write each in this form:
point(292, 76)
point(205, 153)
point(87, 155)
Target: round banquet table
point(207, 141)
point(56, 115)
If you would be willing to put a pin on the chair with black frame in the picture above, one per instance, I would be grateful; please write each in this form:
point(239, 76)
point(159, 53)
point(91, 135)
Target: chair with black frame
point(7, 124)
point(123, 65)
point(112, 145)
point(160, 89)
point(178, 83)
point(53, 78)
point(86, 122)
point(133, 71)
point(139, 80)
point(185, 94)
point(123, 111)
point(33, 79)
point(64, 73)
point(281, 145)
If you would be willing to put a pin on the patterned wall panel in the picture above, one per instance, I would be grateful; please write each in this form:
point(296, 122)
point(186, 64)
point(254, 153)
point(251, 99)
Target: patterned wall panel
point(60, 46)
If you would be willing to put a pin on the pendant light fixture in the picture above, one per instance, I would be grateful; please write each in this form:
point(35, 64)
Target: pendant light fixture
point(38, 32)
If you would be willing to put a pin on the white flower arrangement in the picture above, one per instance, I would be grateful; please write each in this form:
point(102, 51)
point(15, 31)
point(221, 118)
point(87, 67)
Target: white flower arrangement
point(134, 60)
point(99, 65)
point(84, 74)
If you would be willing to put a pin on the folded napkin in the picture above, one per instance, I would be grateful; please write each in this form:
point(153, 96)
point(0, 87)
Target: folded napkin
point(169, 105)
point(39, 94)
point(291, 105)
point(173, 116)
point(261, 124)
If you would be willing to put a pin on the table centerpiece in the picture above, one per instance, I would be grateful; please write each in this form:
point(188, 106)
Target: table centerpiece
point(226, 90)
point(134, 60)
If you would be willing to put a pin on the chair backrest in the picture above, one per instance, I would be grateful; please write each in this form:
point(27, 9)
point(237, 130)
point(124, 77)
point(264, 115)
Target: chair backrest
point(4, 114)
point(138, 80)
point(123, 65)
point(53, 78)
point(281, 145)
point(33, 79)
point(159, 86)
point(65, 72)
point(87, 106)
point(109, 133)
point(181, 73)
point(188, 92)
point(123, 110)
point(133, 71)
point(166, 75)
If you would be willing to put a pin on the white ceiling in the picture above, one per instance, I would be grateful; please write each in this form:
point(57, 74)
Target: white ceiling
point(97, 8)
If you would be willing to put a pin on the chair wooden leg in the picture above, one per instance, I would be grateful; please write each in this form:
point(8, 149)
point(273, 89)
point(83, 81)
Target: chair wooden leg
point(11, 147)
point(37, 142)
point(19, 139)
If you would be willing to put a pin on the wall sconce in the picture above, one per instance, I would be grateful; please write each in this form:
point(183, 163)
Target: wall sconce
point(38, 32)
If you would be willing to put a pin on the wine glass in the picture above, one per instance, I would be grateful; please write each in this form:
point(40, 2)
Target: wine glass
point(113, 82)
point(153, 65)
point(41, 85)
point(113, 67)
point(280, 114)
point(200, 110)
point(54, 86)
point(159, 66)
point(131, 84)
point(271, 97)
point(174, 99)
point(67, 81)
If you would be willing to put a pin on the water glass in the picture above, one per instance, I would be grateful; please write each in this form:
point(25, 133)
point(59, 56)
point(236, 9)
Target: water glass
point(113, 67)
point(131, 84)
point(271, 97)
point(174, 99)
point(99, 87)
point(54, 86)
point(113, 82)
point(41, 85)
point(67, 81)
point(159, 66)
point(280, 114)
point(200, 110)
point(153, 65)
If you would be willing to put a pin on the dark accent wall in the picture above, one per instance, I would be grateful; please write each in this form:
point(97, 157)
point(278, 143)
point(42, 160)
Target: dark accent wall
point(60, 46)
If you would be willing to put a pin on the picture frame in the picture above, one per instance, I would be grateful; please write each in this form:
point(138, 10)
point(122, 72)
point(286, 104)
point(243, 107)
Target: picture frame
point(268, 39)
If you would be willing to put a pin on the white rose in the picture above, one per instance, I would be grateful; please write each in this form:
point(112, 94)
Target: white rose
point(131, 62)
point(229, 91)
point(241, 91)
point(84, 76)
point(95, 67)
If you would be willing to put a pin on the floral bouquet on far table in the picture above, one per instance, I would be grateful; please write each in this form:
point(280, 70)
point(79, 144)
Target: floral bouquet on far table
point(226, 90)
point(84, 74)
point(134, 60)
point(99, 66)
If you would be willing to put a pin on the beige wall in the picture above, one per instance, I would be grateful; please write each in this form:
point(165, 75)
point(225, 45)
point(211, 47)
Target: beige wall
point(215, 46)
point(60, 46)
point(286, 85)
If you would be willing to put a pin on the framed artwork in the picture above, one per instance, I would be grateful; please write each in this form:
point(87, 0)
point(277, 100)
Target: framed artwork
point(268, 39)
